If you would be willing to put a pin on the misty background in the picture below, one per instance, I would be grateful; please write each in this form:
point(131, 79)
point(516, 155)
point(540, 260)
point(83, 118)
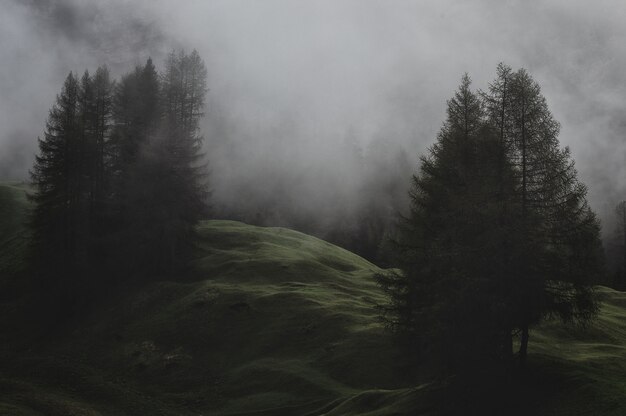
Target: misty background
point(318, 111)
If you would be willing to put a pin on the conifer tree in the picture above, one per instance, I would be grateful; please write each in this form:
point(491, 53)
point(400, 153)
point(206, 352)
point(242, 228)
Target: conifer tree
point(448, 296)
point(560, 250)
point(137, 115)
point(57, 179)
point(182, 173)
point(102, 149)
point(95, 108)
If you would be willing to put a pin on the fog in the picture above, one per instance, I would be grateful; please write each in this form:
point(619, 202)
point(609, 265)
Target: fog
point(321, 107)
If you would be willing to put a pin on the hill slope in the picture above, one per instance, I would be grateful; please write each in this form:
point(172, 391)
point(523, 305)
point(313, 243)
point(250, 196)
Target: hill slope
point(275, 323)
point(13, 232)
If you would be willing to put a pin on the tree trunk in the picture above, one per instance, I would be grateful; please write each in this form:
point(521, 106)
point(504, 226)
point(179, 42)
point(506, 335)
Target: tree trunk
point(523, 348)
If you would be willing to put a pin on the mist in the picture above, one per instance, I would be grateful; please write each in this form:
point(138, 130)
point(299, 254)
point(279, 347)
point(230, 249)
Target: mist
point(317, 110)
point(266, 248)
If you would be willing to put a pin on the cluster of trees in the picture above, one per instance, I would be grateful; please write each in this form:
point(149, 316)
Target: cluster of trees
point(499, 234)
point(119, 178)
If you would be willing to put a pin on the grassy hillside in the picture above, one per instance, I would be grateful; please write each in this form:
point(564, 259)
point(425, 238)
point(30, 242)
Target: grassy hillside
point(13, 231)
point(275, 323)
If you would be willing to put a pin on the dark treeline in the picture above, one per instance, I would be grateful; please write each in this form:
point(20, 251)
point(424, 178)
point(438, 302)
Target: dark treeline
point(119, 179)
point(499, 235)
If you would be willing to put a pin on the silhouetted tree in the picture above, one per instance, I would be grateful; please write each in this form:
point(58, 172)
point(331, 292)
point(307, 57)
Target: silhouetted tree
point(560, 255)
point(95, 116)
point(447, 299)
point(56, 178)
point(102, 149)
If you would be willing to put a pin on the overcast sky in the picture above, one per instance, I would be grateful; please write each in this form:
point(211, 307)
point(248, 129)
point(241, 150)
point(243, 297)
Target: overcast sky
point(292, 81)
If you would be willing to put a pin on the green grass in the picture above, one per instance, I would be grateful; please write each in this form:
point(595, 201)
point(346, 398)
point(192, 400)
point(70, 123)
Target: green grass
point(275, 322)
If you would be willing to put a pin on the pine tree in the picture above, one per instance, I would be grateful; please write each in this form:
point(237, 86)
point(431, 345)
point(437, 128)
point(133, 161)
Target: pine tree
point(57, 179)
point(447, 297)
point(182, 173)
point(560, 252)
point(95, 109)
point(137, 118)
point(137, 115)
point(102, 146)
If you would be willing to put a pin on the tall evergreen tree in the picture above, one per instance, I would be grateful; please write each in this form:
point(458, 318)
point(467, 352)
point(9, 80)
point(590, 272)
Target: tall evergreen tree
point(182, 173)
point(95, 108)
point(102, 150)
point(56, 176)
point(560, 255)
point(137, 115)
point(447, 297)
